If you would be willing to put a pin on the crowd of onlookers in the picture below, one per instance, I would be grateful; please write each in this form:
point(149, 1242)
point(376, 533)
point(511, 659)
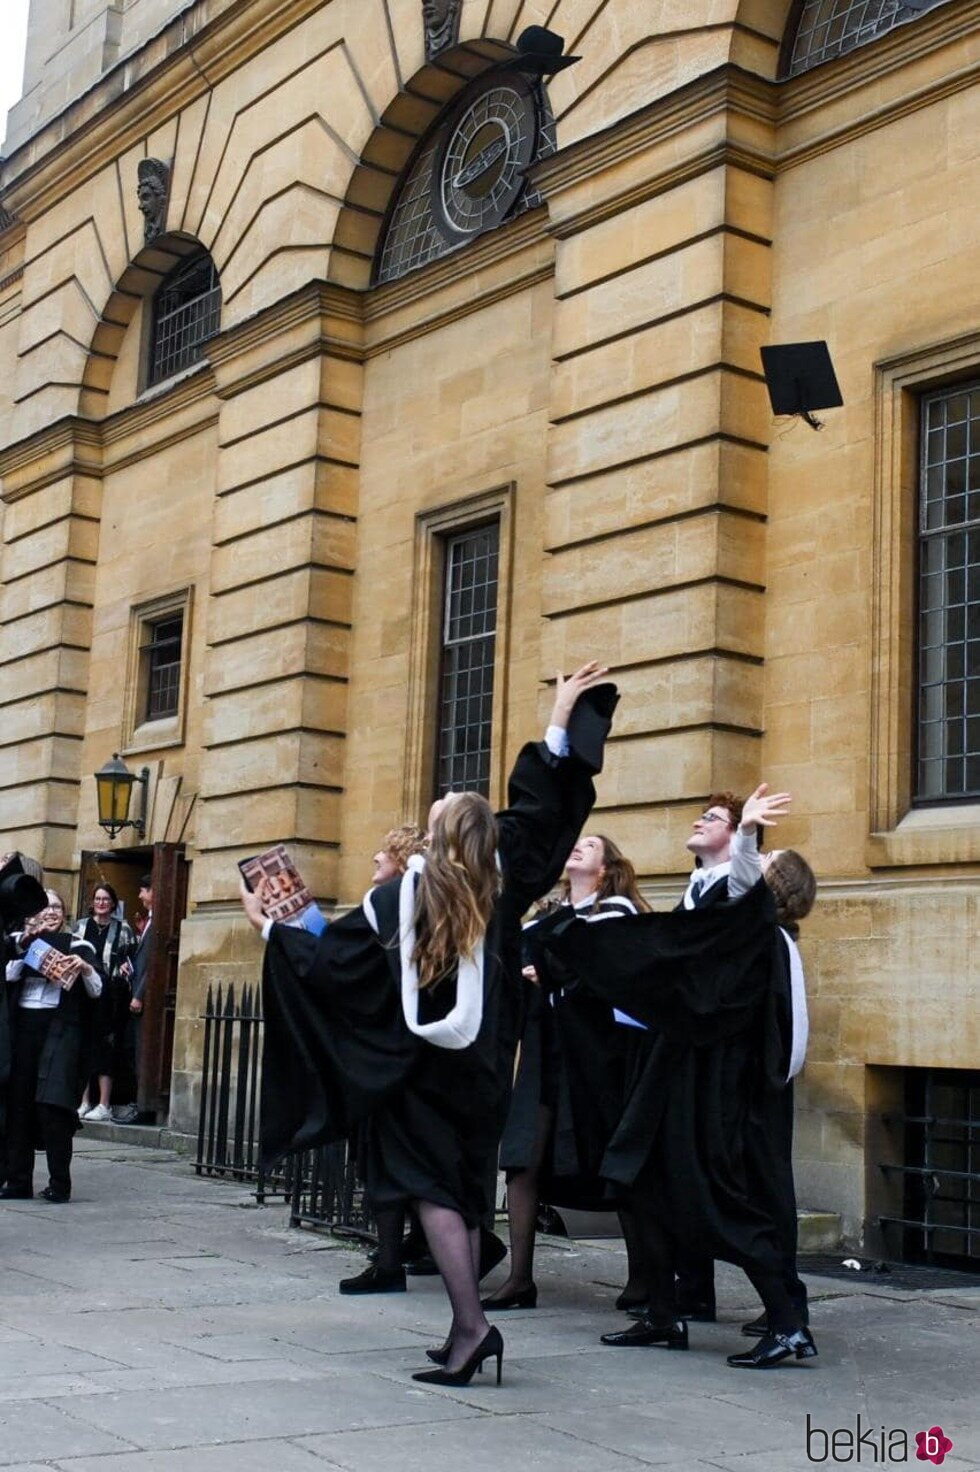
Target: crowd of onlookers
point(71, 1011)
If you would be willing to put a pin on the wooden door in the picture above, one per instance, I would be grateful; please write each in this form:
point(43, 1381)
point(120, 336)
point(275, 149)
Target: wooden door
point(170, 876)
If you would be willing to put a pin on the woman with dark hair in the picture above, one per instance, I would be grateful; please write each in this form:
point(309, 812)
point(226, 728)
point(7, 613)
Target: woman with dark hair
point(568, 1094)
point(114, 943)
point(407, 1012)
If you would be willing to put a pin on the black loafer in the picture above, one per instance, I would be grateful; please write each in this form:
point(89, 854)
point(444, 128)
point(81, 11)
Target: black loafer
point(645, 1333)
point(525, 1298)
point(374, 1280)
point(772, 1349)
point(11, 1193)
point(58, 1197)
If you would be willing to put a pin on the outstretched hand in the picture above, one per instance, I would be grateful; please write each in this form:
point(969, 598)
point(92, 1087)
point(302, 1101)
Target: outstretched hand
point(252, 905)
point(764, 808)
point(568, 691)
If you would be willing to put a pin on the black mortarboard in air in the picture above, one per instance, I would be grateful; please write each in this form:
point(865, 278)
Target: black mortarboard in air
point(800, 378)
point(540, 53)
point(590, 723)
point(20, 894)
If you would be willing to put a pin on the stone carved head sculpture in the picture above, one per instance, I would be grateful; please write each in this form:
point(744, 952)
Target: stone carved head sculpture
point(441, 25)
point(152, 189)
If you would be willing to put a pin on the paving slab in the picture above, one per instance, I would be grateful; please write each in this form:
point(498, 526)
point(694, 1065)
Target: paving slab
point(166, 1323)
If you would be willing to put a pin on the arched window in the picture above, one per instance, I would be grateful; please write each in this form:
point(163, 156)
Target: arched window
point(186, 312)
point(828, 28)
point(468, 174)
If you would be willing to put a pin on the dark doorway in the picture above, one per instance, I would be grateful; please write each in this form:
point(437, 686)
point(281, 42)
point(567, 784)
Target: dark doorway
point(124, 870)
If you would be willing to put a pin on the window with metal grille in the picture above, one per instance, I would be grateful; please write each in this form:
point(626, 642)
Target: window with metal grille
point(186, 313)
point(162, 654)
point(468, 641)
point(417, 230)
point(828, 28)
point(940, 1125)
point(949, 597)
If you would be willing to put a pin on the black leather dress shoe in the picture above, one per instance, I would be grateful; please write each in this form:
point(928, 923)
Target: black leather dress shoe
point(58, 1197)
point(701, 1312)
point(422, 1267)
point(375, 1280)
point(772, 1349)
point(645, 1333)
point(11, 1193)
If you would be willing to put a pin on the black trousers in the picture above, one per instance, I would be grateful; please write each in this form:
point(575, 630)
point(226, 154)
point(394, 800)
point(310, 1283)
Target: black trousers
point(25, 1117)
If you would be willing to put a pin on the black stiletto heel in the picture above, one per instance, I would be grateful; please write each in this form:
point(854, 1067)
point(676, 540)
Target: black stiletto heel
point(490, 1347)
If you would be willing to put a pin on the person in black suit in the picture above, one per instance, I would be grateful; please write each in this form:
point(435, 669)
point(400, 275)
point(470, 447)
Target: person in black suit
point(52, 1022)
point(141, 975)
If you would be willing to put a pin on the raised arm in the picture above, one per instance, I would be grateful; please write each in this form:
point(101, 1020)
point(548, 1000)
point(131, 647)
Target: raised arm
point(762, 809)
point(550, 795)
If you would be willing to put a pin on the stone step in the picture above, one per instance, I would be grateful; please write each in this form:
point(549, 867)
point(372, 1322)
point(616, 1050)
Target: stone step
point(154, 1136)
point(820, 1231)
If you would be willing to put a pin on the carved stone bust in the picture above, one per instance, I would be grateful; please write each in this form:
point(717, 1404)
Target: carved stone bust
point(152, 191)
point(441, 25)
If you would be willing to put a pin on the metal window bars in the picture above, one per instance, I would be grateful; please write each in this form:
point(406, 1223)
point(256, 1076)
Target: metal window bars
point(940, 1173)
point(948, 766)
point(186, 313)
point(829, 28)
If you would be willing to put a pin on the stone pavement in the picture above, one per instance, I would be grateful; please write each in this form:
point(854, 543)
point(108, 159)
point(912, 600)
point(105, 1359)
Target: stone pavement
point(162, 1323)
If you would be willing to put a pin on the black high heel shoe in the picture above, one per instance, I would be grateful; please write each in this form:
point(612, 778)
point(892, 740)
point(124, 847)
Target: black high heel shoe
point(772, 1349)
point(441, 1355)
point(526, 1298)
point(491, 1346)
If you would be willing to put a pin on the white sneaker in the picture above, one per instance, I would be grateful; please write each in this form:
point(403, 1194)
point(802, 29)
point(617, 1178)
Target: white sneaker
point(83, 1110)
point(99, 1115)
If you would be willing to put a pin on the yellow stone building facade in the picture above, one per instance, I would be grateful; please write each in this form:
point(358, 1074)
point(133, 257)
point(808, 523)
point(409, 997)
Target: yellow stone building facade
point(585, 377)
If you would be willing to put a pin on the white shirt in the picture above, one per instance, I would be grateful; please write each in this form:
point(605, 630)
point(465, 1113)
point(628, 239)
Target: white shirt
point(742, 869)
point(38, 994)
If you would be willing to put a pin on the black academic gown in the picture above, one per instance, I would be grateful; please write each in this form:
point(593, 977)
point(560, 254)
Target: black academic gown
point(68, 1052)
point(707, 982)
point(337, 1051)
point(573, 1060)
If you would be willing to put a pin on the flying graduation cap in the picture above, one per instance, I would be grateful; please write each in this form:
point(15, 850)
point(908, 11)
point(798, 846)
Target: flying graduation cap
point(540, 53)
point(800, 378)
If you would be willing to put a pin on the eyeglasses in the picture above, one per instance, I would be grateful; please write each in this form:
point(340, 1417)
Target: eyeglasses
point(714, 818)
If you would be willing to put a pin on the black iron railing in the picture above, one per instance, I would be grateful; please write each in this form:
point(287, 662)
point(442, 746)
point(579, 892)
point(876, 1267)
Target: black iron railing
point(940, 1172)
point(322, 1186)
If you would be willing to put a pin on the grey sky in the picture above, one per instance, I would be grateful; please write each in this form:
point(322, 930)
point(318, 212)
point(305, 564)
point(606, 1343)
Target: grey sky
point(12, 56)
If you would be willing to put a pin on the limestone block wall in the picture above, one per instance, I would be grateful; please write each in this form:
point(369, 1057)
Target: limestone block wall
point(656, 505)
point(871, 249)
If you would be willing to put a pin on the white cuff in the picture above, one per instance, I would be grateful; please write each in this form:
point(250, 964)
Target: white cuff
point(556, 740)
point(267, 929)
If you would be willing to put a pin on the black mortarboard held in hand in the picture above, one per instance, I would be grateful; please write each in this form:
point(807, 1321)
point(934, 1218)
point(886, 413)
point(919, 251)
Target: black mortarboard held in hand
point(590, 722)
point(20, 894)
point(800, 378)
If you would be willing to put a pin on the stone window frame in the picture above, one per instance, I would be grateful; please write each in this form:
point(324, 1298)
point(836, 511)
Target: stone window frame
point(432, 529)
point(138, 734)
point(901, 833)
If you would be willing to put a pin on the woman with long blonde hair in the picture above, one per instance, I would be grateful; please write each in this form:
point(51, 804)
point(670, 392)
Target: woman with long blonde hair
point(406, 1013)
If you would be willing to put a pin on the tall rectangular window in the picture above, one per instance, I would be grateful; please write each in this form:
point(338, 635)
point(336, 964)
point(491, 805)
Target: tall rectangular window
point(949, 597)
point(162, 655)
point(469, 629)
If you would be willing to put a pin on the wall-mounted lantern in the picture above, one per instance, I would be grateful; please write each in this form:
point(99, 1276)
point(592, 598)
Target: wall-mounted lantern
point(114, 784)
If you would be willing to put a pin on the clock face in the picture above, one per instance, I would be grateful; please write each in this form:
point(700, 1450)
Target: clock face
point(478, 172)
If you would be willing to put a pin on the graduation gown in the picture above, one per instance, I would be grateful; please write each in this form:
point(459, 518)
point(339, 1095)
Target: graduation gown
point(337, 1050)
point(573, 1060)
point(708, 1079)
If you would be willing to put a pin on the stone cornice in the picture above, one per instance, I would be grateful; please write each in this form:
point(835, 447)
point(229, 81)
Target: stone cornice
point(726, 89)
point(70, 446)
point(140, 94)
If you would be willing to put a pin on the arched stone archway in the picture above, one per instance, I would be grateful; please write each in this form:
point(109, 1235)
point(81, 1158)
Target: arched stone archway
point(375, 179)
point(138, 284)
